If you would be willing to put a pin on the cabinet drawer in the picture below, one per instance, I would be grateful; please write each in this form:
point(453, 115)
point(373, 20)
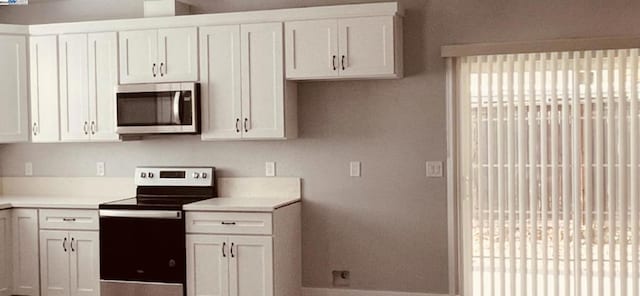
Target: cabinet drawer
point(229, 223)
point(69, 219)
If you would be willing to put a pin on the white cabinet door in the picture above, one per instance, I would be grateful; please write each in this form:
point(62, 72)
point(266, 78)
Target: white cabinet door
point(178, 54)
point(251, 266)
point(312, 49)
point(103, 79)
point(220, 82)
point(14, 120)
point(138, 56)
point(262, 80)
point(366, 46)
point(44, 89)
point(54, 262)
point(74, 88)
point(26, 272)
point(5, 253)
point(207, 265)
point(85, 263)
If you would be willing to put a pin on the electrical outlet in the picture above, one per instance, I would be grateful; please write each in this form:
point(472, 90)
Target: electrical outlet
point(270, 169)
point(434, 169)
point(355, 169)
point(100, 169)
point(28, 169)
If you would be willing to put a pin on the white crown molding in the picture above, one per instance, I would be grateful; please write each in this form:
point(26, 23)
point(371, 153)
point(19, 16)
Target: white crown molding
point(246, 17)
point(350, 292)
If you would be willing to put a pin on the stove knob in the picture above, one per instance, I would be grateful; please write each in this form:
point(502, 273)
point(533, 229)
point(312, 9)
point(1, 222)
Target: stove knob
point(150, 174)
point(204, 175)
point(143, 175)
point(196, 175)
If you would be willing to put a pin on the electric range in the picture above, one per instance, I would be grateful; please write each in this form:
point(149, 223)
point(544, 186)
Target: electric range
point(142, 239)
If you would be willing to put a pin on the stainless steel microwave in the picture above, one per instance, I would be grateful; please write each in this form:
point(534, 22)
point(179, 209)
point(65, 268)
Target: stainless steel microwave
point(157, 108)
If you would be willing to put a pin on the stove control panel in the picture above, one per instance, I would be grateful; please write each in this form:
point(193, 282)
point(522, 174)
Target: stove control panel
point(175, 176)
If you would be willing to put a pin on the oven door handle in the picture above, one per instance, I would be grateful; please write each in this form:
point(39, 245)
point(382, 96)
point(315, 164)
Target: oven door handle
point(148, 214)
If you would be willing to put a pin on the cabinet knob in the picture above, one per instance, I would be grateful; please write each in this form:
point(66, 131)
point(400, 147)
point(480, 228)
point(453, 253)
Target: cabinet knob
point(333, 62)
point(161, 69)
point(72, 249)
point(35, 128)
point(86, 128)
point(64, 244)
point(232, 254)
point(237, 125)
point(246, 129)
point(93, 127)
point(343, 57)
point(153, 69)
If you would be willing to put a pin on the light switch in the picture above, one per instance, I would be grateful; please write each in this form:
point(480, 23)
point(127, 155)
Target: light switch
point(100, 169)
point(270, 169)
point(28, 169)
point(354, 169)
point(434, 169)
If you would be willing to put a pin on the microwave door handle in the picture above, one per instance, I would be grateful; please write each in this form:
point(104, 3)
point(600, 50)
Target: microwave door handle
point(176, 108)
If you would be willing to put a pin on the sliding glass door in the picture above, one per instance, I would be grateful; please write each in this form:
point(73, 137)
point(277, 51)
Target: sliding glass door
point(549, 147)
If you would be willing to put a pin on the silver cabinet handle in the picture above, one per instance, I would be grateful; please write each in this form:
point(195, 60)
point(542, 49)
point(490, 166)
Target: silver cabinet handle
point(343, 57)
point(246, 120)
point(86, 128)
point(237, 125)
point(333, 62)
point(153, 69)
point(232, 254)
point(224, 245)
point(161, 67)
point(35, 128)
point(72, 249)
point(64, 244)
point(93, 127)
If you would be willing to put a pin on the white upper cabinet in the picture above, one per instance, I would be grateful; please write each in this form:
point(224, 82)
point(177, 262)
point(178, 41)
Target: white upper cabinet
point(220, 82)
point(103, 79)
point(312, 49)
point(244, 93)
point(45, 115)
point(74, 87)
point(178, 54)
point(138, 56)
point(88, 77)
point(14, 118)
point(164, 55)
point(364, 47)
point(263, 85)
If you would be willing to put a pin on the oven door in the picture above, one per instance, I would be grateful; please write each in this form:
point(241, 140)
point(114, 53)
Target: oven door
point(142, 252)
point(157, 108)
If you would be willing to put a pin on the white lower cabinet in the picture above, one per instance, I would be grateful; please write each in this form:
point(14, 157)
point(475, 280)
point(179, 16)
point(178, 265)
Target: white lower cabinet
point(229, 265)
point(5, 252)
point(70, 263)
point(24, 233)
point(254, 261)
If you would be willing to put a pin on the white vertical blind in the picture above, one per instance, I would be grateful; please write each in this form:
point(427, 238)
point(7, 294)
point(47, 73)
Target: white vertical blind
point(550, 149)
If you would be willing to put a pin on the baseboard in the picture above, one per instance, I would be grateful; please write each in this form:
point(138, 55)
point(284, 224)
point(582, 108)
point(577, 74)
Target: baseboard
point(350, 292)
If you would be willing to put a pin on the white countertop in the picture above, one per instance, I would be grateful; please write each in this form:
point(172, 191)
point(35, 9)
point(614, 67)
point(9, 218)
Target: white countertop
point(221, 204)
point(241, 204)
point(53, 202)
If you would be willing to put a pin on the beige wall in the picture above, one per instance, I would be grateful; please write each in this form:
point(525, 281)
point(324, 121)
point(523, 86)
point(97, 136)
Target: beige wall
point(388, 227)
